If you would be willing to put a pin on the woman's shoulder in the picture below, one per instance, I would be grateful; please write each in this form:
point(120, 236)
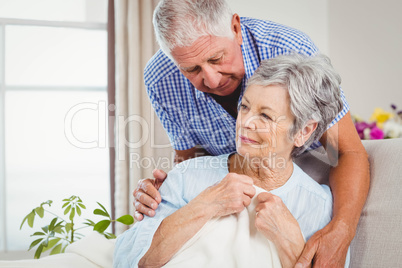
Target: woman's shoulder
point(308, 184)
point(204, 164)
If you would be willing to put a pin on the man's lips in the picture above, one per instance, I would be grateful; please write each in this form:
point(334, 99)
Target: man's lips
point(246, 140)
point(224, 84)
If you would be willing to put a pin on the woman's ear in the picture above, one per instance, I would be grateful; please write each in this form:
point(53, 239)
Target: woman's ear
point(304, 134)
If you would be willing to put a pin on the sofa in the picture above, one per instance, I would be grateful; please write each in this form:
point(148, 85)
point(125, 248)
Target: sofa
point(378, 239)
point(378, 236)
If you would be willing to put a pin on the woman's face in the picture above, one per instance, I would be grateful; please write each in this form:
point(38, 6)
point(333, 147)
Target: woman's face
point(262, 125)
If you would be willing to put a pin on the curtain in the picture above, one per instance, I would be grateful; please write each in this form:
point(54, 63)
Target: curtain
point(141, 144)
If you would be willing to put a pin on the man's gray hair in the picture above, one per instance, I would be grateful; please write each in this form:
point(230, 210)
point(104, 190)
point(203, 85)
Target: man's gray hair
point(313, 86)
point(179, 23)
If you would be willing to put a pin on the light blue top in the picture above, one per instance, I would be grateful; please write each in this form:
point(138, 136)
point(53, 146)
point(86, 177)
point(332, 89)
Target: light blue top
point(309, 202)
point(191, 117)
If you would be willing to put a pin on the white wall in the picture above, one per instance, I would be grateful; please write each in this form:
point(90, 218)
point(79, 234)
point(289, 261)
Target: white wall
point(309, 16)
point(363, 39)
point(366, 48)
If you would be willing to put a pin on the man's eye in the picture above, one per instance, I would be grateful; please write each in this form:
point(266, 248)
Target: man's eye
point(193, 70)
point(215, 60)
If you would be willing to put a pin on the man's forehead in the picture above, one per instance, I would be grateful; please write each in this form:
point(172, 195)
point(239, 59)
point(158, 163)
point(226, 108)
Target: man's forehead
point(203, 49)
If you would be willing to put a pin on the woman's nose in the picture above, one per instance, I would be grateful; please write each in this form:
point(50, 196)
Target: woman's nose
point(247, 121)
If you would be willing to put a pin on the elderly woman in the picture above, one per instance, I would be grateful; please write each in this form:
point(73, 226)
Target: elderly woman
point(254, 207)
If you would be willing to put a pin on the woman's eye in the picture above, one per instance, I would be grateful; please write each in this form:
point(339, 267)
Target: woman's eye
point(265, 116)
point(243, 106)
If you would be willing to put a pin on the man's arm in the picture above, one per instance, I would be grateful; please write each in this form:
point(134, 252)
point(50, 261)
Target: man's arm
point(349, 182)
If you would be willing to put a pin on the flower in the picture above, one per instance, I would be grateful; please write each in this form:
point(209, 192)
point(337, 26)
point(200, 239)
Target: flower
point(380, 116)
point(392, 129)
point(376, 133)
point(383, 125)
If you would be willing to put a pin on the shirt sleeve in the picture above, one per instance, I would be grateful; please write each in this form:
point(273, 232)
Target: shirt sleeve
point(342, 113)
point(132, 245)
point(174, 121)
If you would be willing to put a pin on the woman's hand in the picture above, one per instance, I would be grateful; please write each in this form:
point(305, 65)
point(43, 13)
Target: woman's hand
point(146, 196)
point(229, 196)
point(274, 220)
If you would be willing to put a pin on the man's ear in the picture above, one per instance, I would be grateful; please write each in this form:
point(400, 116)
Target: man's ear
point(304, 134)
point(236, 28)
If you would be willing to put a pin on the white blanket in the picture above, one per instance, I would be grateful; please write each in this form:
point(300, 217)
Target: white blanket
point(230, 241)
point(93, 251)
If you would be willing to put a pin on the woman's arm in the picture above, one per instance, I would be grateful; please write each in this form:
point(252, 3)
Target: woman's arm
point(230, 196)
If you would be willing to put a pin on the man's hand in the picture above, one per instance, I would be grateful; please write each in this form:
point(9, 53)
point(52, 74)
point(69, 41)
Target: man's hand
point(327, 247)
point(146, 196)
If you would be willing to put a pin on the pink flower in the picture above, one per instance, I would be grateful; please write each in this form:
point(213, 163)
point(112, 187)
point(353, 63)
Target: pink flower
point(376, 133)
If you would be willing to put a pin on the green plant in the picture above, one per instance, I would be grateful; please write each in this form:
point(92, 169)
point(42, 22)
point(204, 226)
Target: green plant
point(59, 233)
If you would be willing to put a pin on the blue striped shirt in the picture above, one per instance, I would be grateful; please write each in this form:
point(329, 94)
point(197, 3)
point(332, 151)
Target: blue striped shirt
point(191, 117)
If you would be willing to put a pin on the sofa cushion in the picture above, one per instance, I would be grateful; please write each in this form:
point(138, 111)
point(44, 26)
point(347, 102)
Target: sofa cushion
point(379, 233)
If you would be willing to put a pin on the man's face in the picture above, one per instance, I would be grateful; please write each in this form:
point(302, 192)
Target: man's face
point(212, 64)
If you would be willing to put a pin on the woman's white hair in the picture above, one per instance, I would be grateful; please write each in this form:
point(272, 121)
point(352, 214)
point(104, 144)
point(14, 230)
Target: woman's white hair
point(179, 23)
point(313, 86)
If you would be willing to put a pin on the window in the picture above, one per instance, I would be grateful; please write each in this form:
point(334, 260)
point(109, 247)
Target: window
point(53, 109)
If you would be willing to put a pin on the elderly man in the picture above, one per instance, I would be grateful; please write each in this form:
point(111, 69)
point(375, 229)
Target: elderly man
point(195, 83)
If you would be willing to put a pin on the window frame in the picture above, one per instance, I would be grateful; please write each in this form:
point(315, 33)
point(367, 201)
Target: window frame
point(4, 22)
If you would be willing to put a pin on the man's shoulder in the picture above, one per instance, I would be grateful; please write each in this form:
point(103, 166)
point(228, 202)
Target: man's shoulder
point(267, 33)
point(158, 68)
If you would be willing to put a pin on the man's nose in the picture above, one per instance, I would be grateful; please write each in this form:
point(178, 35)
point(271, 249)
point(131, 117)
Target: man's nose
point(211, 77)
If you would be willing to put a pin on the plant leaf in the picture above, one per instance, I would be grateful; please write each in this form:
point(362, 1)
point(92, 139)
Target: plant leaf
point(104, 209)
point(109, 236)
point(38, 233)
point(126, 219)
point(64, 248)
point(72, 214)
point(68, 227)
point(52, 224)
point(40, 211)
point(45, 228)
point(31, 217)
point(101, 212)
point(78, 210)
point(51, 244)
point(34, 243)
point(56, 249)
point(65, 204)
point(102, 226)
point(48, 202)
point(38, 251)
point(67, 210)
point(82, 205)
point(89, 222)
point(27, 217)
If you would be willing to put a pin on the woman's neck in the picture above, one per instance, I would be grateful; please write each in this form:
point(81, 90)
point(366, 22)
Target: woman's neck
point(265, 175)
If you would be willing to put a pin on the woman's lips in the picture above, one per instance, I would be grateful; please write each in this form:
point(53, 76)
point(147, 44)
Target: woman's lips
point(246, 140)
